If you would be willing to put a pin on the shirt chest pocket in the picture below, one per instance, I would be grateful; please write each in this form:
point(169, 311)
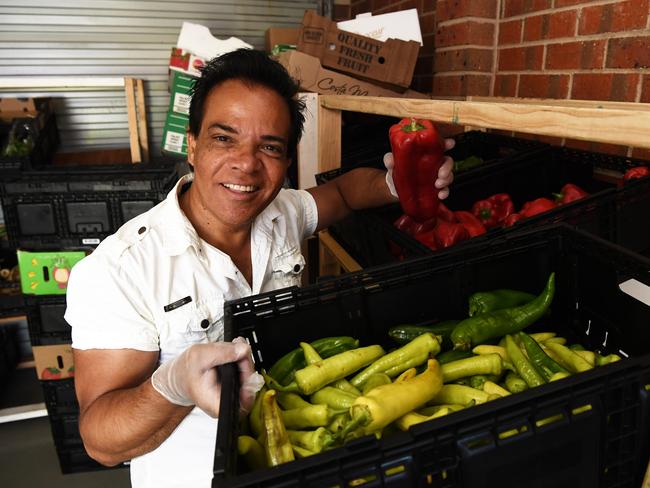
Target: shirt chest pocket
point(194, 323)
point(288, 267)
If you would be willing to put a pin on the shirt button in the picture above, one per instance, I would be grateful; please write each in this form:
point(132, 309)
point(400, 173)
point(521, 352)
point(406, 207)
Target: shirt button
point(296, 268)
point(205, 323)
point(141, 230)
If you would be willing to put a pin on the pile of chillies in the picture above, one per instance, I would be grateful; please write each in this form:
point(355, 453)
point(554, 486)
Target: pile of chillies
point(317, 403)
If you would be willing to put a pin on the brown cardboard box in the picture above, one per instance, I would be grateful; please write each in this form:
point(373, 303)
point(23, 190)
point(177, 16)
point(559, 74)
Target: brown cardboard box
point(391, 62)
point(53, 362)
point(281, 35)
point(14, 108)
point(314, 78)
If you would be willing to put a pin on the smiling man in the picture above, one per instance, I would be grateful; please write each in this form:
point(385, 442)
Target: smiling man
point(146, 308)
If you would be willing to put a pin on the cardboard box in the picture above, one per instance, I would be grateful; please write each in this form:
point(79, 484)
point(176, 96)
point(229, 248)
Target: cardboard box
point(314, 78)
point(46, 273)
point(404, 25)
point(34, 108)
point(391, 62)
point(175, 134)
point(185, 62)
point(53, 362)
point(281, 35)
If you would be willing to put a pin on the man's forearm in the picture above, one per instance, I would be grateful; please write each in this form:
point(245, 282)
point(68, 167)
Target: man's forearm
point(364, 188)
point(123, 424)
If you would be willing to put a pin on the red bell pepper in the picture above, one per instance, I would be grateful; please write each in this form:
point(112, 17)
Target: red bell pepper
point(470, 222)
point(538, 206)
point(512, 219)
point(636, 172)
point(493, 210)
point(569, 193)
point(424, 226)
point(449, 233)
point(444, 213)
point(427, 238)
point(405, 224)
point(418, 151)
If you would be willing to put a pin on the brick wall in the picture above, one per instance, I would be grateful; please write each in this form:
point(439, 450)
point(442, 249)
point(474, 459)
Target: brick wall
point(563, 49)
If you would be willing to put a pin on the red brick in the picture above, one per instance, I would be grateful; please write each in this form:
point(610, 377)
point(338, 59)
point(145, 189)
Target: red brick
point(461, 85)
point(641, 153)
point(469, 59)
point(521, 58)
point(428, 24)
point(520, 7)
point(505, 86)
point(477, 33)
point(645, 89)
point(629, 52)
point(360, 7)
point(534, 27)
point(605, 86)
point(396, 7)
point(427, 6)
point(600, 147)
point(510, 32)
point(562, 24)
point(551, 26)
point(456, 9)
point(543, 86)
point(614, 17)
point(576, 55)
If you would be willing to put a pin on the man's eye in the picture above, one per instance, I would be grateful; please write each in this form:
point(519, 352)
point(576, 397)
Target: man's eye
point(272, 148)
point(221, 138)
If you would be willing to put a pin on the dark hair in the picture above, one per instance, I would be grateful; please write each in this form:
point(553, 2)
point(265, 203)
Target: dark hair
point(255, 67)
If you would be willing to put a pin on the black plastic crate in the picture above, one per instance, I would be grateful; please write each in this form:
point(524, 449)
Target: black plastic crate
point(73, 207)
point(11, 297)
point(46, 142)
point(65, 430)
point(602, 417)
point(45, 320)
point(60, 397)
point(370, 237)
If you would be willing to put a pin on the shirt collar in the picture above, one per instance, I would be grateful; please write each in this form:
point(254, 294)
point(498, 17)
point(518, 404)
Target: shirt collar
point(179, 233)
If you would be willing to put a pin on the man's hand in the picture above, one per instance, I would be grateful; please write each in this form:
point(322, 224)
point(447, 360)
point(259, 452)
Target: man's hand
point(444, 178)
point(191, 378)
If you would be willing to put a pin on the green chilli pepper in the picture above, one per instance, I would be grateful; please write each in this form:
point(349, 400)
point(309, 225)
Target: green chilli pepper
point(489, 301)
point(478, 329)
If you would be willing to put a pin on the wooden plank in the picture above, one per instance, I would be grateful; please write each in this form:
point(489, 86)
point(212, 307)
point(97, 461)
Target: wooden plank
point(23, 412)
point(329, 138)
point(347, 262)
point(129, 90)
point(13, 319)
point(629, 127)
point(143, 138)
point(599, 104)
point(308, 146)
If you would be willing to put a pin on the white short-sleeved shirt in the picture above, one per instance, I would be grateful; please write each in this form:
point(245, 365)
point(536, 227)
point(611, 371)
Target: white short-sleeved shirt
point(155, 285)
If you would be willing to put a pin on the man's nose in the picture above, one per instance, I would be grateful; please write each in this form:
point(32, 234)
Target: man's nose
point(247, 159)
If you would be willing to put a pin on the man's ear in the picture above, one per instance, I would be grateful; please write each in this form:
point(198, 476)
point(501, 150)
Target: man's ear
point(191, 147)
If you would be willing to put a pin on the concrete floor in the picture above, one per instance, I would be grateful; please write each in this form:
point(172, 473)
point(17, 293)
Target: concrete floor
point(28, 460)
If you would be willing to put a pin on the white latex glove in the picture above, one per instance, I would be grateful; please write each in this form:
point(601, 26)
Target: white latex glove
point(191, 378)
point(444, 178)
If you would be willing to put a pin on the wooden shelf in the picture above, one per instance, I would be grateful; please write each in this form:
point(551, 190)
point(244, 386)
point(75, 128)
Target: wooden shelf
point(621, 123)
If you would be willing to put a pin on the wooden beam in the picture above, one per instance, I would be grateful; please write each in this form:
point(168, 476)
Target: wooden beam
point(129, 89)
point(143, 139)
point(343, 259)
point(629, 127)
point(329, 138)
point(597, 104)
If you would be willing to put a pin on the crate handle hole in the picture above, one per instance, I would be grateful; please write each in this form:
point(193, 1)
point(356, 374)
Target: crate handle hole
point(363, 480)
point(549, 420)
point(579, 410)
point(512, 432)
point(46, 273)
point(478, 443)
point(395, 470)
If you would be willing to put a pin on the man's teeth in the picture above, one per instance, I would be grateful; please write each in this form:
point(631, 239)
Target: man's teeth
point(246, 188)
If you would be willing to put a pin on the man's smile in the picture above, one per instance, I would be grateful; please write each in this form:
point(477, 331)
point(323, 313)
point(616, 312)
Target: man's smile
point(242, 188)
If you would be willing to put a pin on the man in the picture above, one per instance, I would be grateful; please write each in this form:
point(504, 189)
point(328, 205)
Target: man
point(146, 308)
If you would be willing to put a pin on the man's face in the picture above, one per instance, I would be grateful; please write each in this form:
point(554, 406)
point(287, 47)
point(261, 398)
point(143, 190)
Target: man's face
point(240, 154)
